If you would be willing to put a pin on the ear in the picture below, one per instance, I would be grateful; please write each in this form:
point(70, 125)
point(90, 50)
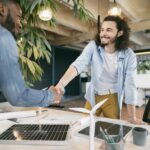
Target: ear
point(120, 33)
point(1, 9)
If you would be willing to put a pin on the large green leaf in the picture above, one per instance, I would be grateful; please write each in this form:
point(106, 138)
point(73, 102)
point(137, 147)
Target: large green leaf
point(34, 4)
point(31, 66)
point(47, 44)
point(35, 52)
point(38, 68)
point(47, 56)
point(29, 53)
point(23, 59)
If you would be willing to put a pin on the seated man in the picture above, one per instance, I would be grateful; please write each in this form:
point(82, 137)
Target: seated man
point(12, 84)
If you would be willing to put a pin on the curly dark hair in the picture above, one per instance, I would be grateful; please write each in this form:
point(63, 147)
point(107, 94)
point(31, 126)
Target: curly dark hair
point(122, 42)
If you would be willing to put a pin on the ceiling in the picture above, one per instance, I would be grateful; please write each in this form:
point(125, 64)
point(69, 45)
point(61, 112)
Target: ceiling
point(73, 33)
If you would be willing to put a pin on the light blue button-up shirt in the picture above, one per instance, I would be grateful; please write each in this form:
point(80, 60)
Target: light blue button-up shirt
point(12, 83)
point(127, 65)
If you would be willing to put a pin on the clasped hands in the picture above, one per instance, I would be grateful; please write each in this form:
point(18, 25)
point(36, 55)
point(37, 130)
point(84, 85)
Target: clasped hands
point(58, 92)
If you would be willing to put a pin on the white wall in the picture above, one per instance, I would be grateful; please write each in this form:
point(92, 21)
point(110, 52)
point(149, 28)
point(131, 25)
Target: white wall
point(143, 85)
point(143, 81)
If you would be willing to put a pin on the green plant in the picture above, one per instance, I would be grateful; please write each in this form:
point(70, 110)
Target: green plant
point(143, 66)
point(33, 45)
point(80, 11)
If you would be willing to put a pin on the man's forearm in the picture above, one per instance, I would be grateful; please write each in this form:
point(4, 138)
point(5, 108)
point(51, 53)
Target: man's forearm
point(68, 76)
point(131, 112)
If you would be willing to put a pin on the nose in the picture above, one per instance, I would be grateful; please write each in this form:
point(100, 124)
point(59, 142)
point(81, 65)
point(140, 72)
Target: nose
point(103, 33)
point(19, 24)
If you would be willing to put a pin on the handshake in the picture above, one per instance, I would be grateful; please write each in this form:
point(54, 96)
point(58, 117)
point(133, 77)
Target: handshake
point(58, 91)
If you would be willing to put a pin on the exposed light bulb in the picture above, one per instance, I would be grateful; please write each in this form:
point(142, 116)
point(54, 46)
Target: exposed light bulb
point(115, 11)
point(20, 40)
point(45, 14)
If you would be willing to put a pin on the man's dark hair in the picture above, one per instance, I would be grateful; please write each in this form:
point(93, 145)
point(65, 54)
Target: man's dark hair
point(122, 41)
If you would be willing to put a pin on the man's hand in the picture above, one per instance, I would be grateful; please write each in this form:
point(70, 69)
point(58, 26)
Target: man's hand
point(60, 88)
point(57, 96)
point(132, 115)
point(136, 121)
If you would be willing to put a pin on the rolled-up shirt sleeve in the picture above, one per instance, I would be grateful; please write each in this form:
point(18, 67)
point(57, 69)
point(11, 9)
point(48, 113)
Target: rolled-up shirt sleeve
point(130, 80)
point(85, 58)
point(12, 83)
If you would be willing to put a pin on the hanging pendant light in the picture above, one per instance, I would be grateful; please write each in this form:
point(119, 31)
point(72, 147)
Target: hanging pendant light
point(45, 14)
point(115, 10)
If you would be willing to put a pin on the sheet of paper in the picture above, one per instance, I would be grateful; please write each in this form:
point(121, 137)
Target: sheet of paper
point(18, 114)
point(79, 109)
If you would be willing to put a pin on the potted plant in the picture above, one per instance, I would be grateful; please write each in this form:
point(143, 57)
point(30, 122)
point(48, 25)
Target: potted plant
point(143, 66)
point(33, 43)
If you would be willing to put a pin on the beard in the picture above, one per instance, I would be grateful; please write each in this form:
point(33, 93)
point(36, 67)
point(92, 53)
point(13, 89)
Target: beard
point(113, 40)
point(104, 44)
point(10, 25)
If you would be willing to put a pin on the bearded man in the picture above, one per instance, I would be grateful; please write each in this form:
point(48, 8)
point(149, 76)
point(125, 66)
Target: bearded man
point(12, 84)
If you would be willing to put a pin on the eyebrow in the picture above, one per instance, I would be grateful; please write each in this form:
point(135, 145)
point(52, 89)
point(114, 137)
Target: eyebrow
point(107, 28)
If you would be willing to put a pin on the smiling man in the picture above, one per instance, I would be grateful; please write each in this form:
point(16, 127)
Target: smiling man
point(12, 84)
point(113, 67)
point(11, 16)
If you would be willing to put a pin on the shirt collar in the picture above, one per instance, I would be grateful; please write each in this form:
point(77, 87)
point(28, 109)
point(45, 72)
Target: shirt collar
point(121, 54)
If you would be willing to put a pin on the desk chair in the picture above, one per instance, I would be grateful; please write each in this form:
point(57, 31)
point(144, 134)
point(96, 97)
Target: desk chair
point(146, 116)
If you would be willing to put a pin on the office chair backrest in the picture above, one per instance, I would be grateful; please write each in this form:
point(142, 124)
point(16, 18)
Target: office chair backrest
point(146, 116)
